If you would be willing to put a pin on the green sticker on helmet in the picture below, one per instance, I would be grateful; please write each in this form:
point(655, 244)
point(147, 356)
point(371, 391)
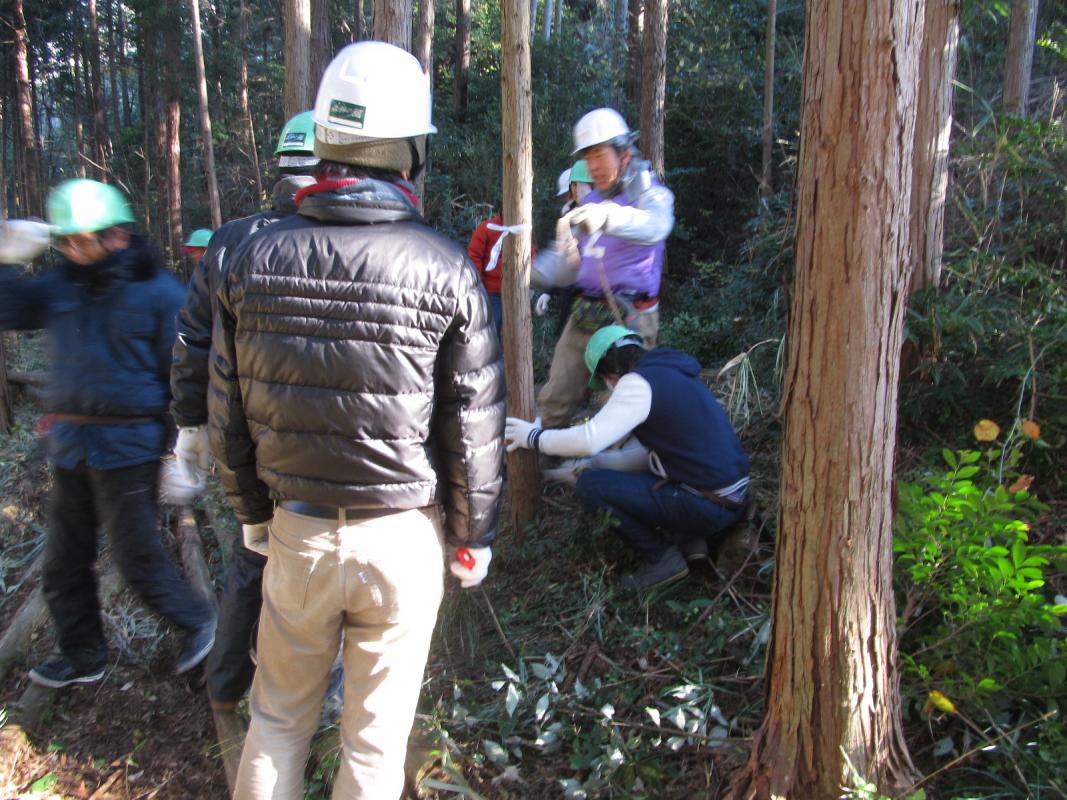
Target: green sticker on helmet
point(348, 114)
point(294, 138)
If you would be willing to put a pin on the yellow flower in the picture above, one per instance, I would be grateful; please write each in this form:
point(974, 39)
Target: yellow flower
point(1031, 429)
point(938, 700)
point(986, 430)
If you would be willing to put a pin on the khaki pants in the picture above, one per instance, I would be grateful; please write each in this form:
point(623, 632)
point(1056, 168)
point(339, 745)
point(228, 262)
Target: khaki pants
point(379, 581)
point(568, 377)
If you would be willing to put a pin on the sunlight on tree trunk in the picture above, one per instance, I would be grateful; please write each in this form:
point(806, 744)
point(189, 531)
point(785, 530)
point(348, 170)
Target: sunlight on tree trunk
point(29, 198)
point(321, 45)
point(298, 90)
point(524, 479)
point(933, 129)
point(1020, 58)
point(654, 84)
point(635, 33)
point(207, 143)
point(243, 15)
point(392, 22)
point(832, 680)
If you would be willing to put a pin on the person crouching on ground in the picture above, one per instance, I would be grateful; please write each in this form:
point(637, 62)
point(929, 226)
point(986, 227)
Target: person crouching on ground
point(689, 476)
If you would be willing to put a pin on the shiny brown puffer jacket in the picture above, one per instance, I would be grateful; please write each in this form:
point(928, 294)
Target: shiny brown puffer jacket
point(355, 365)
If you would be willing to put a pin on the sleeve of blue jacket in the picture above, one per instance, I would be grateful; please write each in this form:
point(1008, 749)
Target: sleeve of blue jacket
point(192, 349)
point(23, 301)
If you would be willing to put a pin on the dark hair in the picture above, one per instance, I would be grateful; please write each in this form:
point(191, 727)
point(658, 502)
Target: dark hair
point(334, 169)
point(620, 359)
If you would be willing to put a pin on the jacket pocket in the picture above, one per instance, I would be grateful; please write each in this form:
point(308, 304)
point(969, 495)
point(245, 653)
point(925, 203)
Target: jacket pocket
point(287, 574)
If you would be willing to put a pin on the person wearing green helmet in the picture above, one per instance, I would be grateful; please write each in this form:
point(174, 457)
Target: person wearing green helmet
point(574, 184)
point(229, 668)
point(686, 473)
point(109, 307)
point(196, 245)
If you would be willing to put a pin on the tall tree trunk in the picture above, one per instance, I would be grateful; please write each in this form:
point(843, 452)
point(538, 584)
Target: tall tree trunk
point(532, 25)
point(361, 22)
point(79, 130)
point(558, 26)
point(524, 478)
point(462, 57)
point(127, 106)
point(654, 85)
point(832, 681)
point(298, 91)
point(766, 189)
point(30, 177)
point(113, 9)
point(424, 37)
point(321, 43)
point(392, 22)
point(205, 119)
point(101, 139)
point(635, 32)
point(1020, 58)
point(171, 31)
point(243, 15)
point(546, 23)
point(933, 127)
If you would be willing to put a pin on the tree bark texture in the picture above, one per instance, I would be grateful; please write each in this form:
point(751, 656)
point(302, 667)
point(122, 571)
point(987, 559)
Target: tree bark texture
point(832, 681)
point(101, 140)
point(462, 57)
point(546, 22)
point(321, 44)
point(205, 120)
point(171, 33)
point(1020, 58)
point(635, 33)
point(654, 83)
point(392, 22)
point(424, 37)
point(766, 188)
point(524, 477)
point(29, 176)
point(298, 91)
point(361, 22)
point(933, 129)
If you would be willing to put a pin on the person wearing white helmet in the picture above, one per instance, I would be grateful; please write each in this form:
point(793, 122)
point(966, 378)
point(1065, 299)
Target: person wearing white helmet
point(357, 416)
point(621, 227)
point(229, 667)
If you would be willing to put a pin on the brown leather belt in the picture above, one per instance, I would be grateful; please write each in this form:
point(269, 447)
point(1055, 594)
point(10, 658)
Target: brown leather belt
point(707, 494)
point(333, 512)
point(86, 419)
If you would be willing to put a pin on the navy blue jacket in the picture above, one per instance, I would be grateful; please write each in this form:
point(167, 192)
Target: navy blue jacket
point(686, 426)
point(112, 329)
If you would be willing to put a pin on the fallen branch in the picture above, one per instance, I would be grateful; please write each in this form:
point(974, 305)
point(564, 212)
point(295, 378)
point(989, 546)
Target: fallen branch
point(16, 639)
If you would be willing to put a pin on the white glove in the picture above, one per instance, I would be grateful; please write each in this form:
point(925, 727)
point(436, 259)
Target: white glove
point(541, 304)
point(471, 565)
point(193, 452)
point(176, 486)
point(590, 218)
point(256, 537)
point(520, 433)
point(567, 472)
point(22, 240)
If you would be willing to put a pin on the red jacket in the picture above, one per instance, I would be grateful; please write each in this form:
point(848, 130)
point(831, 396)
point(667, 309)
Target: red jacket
point(480, 249)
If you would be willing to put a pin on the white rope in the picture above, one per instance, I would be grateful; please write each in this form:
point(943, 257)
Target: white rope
point(494, 254)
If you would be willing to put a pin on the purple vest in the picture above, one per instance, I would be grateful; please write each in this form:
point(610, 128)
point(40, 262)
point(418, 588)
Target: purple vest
point(630, 268)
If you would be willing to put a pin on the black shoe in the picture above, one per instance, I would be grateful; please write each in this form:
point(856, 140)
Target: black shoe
point(671, 567)
point(196, 646)
point(62, 672)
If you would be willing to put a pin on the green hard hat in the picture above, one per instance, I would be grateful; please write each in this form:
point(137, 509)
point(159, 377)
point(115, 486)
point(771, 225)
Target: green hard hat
point(580, 172)
point(602, 341)
point(85, 206)
point(199, 238)
point(298, 135)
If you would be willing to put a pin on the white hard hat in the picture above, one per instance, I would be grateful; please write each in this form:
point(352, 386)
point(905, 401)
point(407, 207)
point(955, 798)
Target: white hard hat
point(599, 126)
point(564, 183)
point(372, 90)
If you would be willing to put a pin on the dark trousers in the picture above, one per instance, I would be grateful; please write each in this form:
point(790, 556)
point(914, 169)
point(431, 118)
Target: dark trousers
point(229, 666)
point(641, 510)
point(124, 502)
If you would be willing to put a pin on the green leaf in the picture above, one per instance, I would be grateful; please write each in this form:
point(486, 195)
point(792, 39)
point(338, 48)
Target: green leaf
point(967, 472)
point(45, 783)
point(950, 458)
